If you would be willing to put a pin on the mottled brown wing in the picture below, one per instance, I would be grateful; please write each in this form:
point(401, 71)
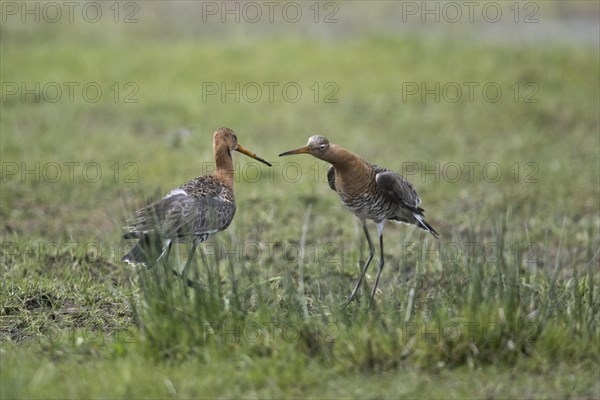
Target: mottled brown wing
point(206, 186)
point(397, 188)
point(179, 215)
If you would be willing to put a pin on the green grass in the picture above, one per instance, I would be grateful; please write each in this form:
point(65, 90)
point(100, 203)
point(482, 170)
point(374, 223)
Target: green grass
point(505, 304)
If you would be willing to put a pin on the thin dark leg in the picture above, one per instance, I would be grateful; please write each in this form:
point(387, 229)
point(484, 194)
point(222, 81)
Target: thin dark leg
point(188, 262)
point(166, 257)
point(380, 267)
point(366, 266)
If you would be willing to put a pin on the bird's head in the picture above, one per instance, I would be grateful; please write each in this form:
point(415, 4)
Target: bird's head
point(317, 146)
point(226, 138)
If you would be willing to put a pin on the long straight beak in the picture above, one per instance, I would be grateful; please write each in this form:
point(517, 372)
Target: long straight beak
point(247, 152)
point(301, 150)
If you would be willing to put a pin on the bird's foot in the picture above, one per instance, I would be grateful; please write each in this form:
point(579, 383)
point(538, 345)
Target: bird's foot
point(176, 273)
point(345, 304)
point(190, 283)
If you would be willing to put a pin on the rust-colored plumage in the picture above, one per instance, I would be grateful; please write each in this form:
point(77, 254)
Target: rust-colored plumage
point(369, 192)
point(190, 213)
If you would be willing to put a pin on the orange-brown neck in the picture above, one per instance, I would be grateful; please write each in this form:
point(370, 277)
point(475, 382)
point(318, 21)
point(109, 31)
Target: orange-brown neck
point(353, 175)
point(343, 159)
point(224, 164)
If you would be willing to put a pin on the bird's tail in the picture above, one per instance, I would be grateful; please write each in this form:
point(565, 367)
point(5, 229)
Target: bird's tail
point(135, 256)
point(146, 252)
point(421, 223)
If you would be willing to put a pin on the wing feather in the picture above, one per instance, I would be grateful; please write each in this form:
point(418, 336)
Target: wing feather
point(331, 177)
point(397, 188)
point(180, 215)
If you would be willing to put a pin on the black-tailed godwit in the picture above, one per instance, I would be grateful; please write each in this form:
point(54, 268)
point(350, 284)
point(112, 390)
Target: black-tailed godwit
point(190, 213)
point(369, 192)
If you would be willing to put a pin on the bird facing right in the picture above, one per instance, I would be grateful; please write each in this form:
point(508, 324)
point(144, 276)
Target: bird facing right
point(190, 213)
point(369, 192)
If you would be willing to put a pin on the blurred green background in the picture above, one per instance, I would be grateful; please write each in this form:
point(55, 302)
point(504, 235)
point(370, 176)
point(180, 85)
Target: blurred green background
point(490, 109)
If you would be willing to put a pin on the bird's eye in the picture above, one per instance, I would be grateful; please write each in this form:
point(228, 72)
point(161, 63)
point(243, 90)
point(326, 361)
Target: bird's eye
point(235, 137)
point(322, 147)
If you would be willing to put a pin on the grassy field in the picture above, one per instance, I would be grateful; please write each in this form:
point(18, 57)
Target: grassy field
point(500, 138)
